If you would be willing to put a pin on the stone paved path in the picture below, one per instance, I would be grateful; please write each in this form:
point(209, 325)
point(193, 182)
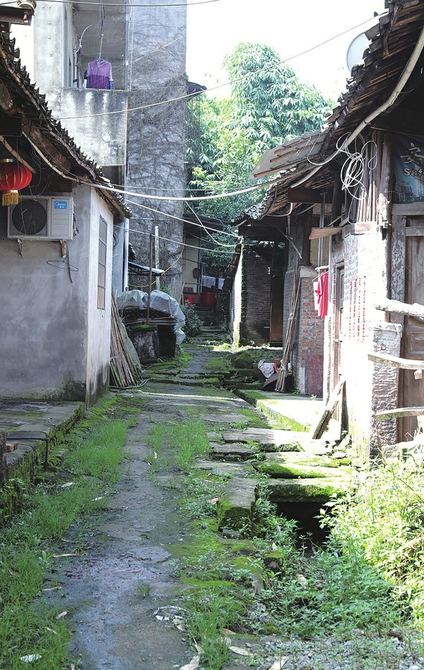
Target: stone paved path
point(118, 593)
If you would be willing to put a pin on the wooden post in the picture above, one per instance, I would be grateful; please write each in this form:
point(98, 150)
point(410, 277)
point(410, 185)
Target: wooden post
point(149, 290)
point(157, 255)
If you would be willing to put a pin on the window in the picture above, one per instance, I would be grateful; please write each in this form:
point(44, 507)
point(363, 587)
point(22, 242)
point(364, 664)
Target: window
point(101, 277)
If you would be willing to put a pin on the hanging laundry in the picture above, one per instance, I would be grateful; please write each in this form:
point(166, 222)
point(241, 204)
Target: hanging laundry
point(208, 282)
point(99, 74)
point(322, 294)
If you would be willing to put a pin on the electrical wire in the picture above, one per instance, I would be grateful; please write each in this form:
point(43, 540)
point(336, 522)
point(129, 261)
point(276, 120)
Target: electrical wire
point(219, 86)
point(151, 6)
point(191, 198)
point(178, 218)
point(168, 239)
point(220, 244)
point(114, 190)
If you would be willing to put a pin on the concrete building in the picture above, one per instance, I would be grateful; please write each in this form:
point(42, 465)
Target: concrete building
point(56, 252)
point(133, 123)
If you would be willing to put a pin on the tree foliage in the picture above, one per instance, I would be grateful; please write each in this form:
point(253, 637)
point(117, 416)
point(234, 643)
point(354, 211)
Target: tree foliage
point(268, 105)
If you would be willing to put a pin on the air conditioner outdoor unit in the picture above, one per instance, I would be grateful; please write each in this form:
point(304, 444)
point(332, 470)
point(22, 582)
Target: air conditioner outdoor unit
point(44, 218)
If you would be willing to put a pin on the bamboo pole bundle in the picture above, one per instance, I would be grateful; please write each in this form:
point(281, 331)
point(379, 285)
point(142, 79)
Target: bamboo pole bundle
point(124, 364)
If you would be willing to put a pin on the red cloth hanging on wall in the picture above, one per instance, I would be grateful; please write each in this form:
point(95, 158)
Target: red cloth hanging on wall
point(322, 294)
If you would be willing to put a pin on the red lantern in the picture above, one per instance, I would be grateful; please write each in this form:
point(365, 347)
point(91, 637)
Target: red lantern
point(13, 177)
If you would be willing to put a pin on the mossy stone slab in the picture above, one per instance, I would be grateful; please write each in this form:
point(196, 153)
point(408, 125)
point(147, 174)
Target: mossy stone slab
point(235, 507)
point(301, 465)
point(233, 452)
point(267, 438)
point(307, 490)
point(225, 469)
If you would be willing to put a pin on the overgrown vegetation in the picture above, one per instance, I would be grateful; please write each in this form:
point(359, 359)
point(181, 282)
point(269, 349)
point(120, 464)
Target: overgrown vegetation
point(383, 525)
point(193, 323)
point(365, 580)
point(364, 586)
point(31, 629)
point(184, 441)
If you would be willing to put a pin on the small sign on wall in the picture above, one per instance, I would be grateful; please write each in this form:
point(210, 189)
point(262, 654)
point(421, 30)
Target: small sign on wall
point(409, 168)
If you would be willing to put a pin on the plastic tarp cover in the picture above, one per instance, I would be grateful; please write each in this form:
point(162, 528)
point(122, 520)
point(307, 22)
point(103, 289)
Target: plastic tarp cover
point(160, 301)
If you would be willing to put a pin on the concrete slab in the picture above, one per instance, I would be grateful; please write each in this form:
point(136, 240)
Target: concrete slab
point(307, 490)
point(52, 419)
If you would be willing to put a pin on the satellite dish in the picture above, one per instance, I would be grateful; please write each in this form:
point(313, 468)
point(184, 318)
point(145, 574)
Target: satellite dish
point(356, 50)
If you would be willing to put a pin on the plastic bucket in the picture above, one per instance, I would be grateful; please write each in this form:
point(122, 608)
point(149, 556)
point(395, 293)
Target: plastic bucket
point(189, 300)
point(208, 299)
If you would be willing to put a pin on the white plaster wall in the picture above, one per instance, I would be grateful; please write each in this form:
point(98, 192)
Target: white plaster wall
point(236, 302)
point(190, 262)
point(93, 119)
point(55, 344)
point(24, 36)
point(99, 320)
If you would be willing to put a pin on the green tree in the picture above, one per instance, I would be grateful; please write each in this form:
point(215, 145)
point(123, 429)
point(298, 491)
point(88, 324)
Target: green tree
point(268, 104)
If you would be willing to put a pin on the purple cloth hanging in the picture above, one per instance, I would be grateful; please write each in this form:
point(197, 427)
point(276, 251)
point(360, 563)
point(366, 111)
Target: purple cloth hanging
point(99, 73)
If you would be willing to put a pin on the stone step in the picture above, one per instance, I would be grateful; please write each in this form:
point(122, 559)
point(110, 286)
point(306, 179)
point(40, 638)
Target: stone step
point(232, 452)
point(302, 465)
point(235, 507)
point(307, 490)
point(266, 438)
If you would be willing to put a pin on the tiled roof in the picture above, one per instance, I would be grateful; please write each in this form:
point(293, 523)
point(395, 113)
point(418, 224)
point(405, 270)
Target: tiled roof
point(307, 159)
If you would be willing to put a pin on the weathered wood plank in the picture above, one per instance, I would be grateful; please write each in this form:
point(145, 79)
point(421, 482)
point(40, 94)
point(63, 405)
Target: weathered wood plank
point(335, 397)
point(399, 413)
point(396, 362)
point(398, 307)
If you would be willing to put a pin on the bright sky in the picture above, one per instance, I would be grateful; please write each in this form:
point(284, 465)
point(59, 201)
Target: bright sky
point(288, 26)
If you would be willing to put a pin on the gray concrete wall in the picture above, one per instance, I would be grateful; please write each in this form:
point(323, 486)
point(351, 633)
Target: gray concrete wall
point(55, 342)
point(92, 117)
point(156, 137)
point(97, 121)
point(150, 140)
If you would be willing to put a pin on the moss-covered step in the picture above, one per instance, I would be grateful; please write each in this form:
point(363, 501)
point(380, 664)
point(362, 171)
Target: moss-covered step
point(307, 490)
point(302, 465)
point(268, 439)
point(233, 451)
point(237, 419)
point(236, 505)
point(225, 468)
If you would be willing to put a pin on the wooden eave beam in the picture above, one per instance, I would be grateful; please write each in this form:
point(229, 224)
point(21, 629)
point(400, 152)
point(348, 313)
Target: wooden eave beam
point(304, 196)
point(16, 15)
point(51, 154)
point(15, 154)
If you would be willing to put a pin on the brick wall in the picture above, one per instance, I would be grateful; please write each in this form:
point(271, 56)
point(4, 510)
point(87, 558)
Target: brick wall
point(369, 387)
point(310, 342)
point(256, 296)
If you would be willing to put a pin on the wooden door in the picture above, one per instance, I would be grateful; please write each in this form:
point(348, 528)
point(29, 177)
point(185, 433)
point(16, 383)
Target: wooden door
point(411, 389)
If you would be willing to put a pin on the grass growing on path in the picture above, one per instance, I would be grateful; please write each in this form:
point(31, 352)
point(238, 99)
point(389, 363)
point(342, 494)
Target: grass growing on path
point(31, 630)
point(178, 444)
point(266, 582)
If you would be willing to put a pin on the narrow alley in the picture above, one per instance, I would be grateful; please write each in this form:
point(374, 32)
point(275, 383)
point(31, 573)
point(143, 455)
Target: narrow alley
point(123, 593)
